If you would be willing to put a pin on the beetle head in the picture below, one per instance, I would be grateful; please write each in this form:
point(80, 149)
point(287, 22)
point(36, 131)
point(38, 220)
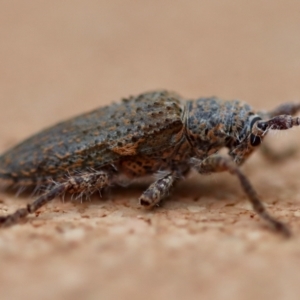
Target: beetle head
point(256, 131)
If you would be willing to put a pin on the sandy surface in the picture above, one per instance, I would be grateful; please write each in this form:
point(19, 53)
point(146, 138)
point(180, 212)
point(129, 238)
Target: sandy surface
point(61, 58)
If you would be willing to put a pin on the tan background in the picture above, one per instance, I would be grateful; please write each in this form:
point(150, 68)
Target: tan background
point(61, 58)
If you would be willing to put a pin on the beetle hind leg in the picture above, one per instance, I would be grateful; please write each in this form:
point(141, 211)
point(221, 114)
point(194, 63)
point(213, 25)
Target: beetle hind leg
point(87, 182)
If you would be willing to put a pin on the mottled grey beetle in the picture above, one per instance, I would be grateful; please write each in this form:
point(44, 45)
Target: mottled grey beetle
point(155, 131)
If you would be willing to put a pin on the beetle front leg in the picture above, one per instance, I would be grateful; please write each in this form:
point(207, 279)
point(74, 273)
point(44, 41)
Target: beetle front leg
point(219, 163)
point(157, 191)
point(87, 183)
point(283, 109)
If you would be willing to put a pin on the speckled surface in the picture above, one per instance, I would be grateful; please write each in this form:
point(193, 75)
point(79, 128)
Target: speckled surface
point(61, 59)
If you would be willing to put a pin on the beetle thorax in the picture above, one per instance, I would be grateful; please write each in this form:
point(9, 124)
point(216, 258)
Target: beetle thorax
point(212, 124)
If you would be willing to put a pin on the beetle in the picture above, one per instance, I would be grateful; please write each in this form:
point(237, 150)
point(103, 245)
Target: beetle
point(156, 132)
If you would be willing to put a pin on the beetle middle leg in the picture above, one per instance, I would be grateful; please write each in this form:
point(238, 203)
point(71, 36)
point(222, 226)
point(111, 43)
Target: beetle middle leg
point(86, 182)
point(157, 190)
point(219, 163)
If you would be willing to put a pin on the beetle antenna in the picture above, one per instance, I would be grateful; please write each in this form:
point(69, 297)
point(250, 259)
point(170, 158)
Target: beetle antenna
point(282, 122)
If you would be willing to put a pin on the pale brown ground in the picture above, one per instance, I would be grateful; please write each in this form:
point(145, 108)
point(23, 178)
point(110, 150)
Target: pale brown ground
point(61, 58)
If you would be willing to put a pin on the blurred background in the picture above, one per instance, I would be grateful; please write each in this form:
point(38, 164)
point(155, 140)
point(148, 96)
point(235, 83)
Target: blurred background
point(62, 58)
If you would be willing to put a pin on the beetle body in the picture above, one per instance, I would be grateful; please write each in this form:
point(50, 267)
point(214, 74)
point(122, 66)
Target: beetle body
point(140, 136)
point(156, 131)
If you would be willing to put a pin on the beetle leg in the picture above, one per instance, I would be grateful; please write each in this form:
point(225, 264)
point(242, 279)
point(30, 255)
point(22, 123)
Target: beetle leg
point(157, 191)
point(283, 109)
point(219, 163)
point(87, 182)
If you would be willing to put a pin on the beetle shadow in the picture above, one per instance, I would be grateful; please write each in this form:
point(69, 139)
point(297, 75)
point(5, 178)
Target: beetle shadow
point(216, 187)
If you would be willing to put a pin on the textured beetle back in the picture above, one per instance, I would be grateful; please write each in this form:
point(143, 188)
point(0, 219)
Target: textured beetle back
point(96, 139)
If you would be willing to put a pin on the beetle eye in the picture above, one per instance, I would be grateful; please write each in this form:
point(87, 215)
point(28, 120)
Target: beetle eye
point(255, 140)
point(262, 125)
point(254, 120)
